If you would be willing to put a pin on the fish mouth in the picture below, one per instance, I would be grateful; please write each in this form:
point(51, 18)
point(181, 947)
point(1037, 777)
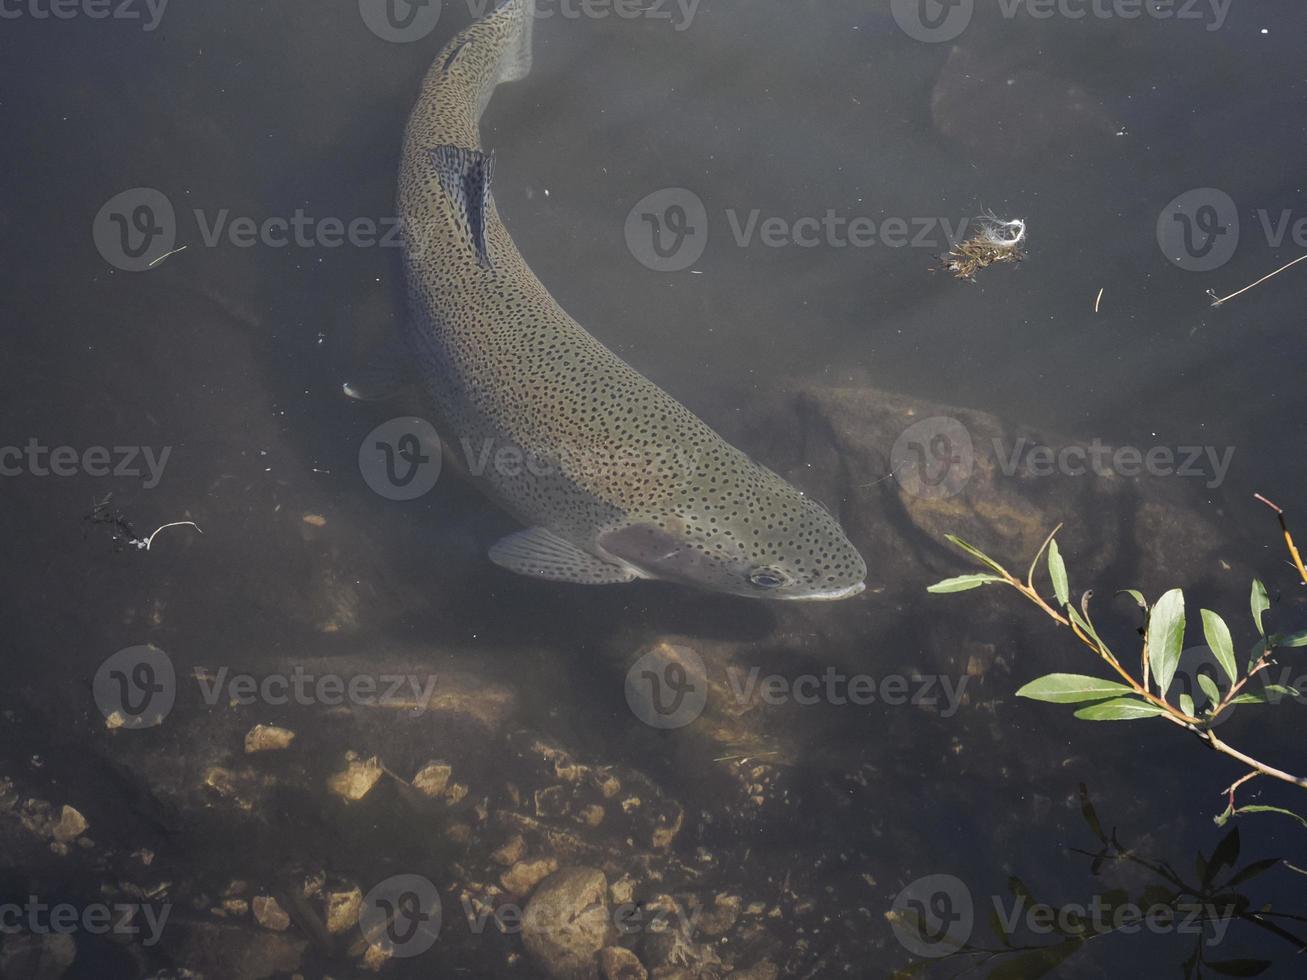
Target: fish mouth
point(847, 592)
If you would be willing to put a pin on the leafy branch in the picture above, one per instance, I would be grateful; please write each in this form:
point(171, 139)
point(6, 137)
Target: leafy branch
point(1146, 693)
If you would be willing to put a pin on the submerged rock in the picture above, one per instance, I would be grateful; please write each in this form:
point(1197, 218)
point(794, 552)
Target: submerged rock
point(901, 473)
point(566, 923)
point(267, 738)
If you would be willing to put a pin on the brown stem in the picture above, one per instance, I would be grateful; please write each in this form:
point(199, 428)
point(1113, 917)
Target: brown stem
point(1112, 662)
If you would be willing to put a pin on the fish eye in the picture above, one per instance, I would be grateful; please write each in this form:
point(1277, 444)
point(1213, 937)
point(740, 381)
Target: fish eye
point(767, 578)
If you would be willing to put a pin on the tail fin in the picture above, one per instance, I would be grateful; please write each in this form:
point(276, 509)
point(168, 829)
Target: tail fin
point(516, 61)
point(504, 38)
point(494, 49)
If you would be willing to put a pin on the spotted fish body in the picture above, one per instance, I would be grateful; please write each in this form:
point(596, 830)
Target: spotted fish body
point(615, 480)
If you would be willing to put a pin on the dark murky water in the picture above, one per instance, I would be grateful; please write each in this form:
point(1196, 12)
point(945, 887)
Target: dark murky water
point(807, 819)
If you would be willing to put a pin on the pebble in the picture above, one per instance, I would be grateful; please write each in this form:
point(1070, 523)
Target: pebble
point(267, 738)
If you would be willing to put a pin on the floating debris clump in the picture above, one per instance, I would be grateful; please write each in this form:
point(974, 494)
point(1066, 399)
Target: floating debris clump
point(997, 241)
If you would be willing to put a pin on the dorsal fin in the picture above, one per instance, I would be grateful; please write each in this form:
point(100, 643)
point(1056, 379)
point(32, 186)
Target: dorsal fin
point(465, 177)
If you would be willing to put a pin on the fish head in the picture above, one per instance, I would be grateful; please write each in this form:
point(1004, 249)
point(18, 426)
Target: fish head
point(768, 541)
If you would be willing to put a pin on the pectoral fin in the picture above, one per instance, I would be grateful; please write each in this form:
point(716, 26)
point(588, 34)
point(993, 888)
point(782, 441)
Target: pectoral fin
point(541, 553)
point(465, 177)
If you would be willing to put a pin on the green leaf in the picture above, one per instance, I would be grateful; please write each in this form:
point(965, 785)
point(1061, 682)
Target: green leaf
point(1259, 808)
point(976, 553)
point(1238, 968)
point(1209, 688)
point(1036, 962)
point(1259, 648)
point(1057, 572)
point(1187, 705)
point(1249, 697)
point(1086, 626)
point(1072, 689)
point(1260, 603)
point(1119, 709)
point(963, 582)
point(1298, 639)
point(1166, 637)
point(1252, 871)
point(1217, 635)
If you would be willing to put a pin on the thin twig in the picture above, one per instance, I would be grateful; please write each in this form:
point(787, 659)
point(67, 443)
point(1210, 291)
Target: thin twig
point(1229, 790)
point(1218, 300)
point(167, 255)
point(1288, 538)
point(146, 542)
